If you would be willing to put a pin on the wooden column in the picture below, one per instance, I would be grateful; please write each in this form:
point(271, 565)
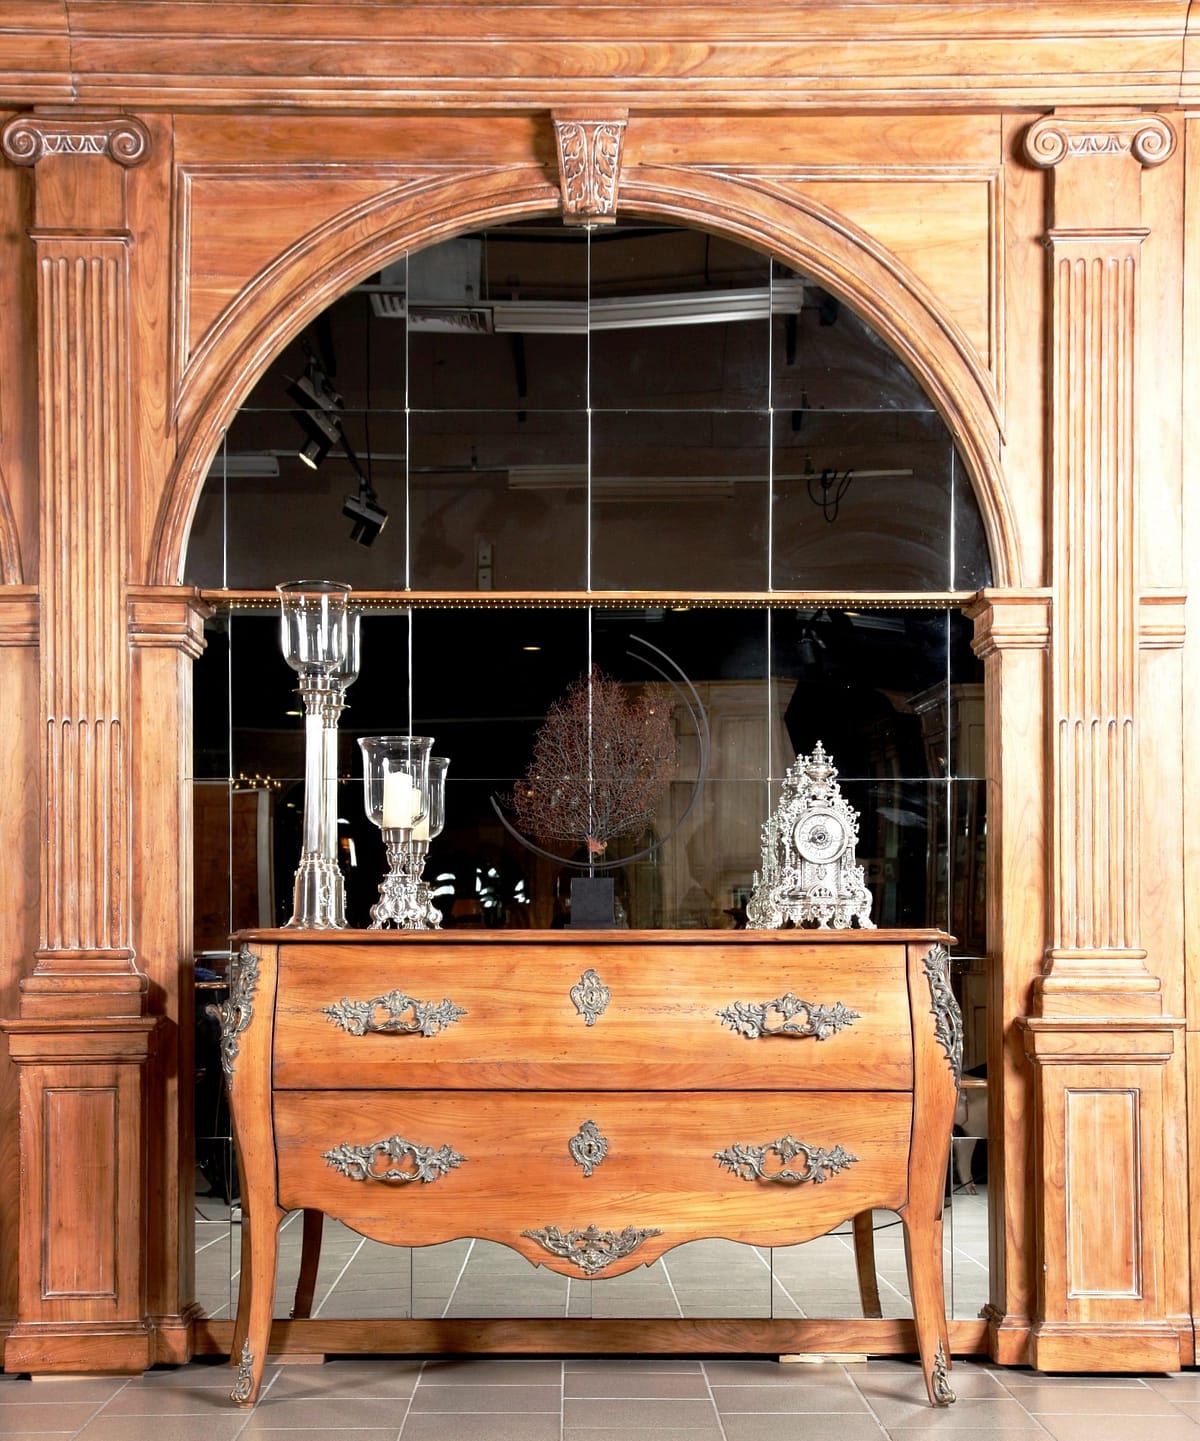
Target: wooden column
point(1012, 637)
point(1096, 1037)
point(19, 809)
point(82, 1039)
point(166, 635)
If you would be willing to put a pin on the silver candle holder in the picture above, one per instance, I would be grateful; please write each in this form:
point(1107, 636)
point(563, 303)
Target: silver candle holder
point(319, 636)
point(404, 790)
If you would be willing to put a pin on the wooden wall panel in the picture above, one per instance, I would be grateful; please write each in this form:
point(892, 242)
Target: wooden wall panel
point(1102, 1260)
point(81, 1199)
point(945, 232)
point(228, 247)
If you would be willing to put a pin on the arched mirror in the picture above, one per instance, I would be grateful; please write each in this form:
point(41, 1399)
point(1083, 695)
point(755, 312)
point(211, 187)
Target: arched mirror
point(534, 450)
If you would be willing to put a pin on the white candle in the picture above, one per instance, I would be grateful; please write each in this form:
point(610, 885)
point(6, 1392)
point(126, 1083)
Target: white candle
point(421, 829)
point(401, 801)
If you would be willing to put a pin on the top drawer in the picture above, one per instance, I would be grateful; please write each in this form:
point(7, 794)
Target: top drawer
point(660, 1017)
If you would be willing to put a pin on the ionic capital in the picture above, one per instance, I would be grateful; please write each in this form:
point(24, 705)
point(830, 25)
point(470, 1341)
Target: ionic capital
point(1148, 138)
point(30, 138)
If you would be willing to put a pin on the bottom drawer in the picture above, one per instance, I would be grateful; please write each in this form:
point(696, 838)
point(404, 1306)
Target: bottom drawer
point(591, 1183)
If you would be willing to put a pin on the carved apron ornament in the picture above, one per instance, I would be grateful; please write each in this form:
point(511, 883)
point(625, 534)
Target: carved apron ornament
point(809, 876)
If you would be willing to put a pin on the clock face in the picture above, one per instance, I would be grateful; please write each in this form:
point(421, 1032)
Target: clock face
point(820, 837)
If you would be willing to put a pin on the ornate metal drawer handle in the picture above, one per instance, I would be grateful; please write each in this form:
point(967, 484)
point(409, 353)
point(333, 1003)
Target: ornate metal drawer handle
point(420, 1163)
point(787, 1016)
point(592, 1249)
point(394, 1012)
point(591, 996)
point(588, 1147)
point(748, 1163)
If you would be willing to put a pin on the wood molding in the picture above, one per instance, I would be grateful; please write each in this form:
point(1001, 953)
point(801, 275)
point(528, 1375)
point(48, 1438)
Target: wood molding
point(504, 55)
point(20, 614)
point(170, 616)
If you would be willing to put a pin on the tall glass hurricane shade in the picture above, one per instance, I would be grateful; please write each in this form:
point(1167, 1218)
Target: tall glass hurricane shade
point(314, 626)
point(396, 781)
point(438, 766)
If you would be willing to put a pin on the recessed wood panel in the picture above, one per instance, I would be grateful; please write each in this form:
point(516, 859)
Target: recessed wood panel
point(80, 1176)
point(1103, 1169)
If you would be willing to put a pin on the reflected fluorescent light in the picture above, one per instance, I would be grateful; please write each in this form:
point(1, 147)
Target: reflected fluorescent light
point(624, 487)
point(244, 465)
point(576, 317)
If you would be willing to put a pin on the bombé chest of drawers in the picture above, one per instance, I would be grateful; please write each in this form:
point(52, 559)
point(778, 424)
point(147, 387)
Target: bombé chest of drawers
point(591, 1099)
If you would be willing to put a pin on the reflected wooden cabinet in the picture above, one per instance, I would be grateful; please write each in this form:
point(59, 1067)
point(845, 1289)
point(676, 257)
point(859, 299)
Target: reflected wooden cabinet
point(592, 1100)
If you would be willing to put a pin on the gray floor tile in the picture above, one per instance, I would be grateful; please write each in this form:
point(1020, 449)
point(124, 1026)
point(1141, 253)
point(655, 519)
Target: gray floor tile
point(45, 1416)
point(1127, 1428)
point(788, 1399)
point(65, 1390)
point(983, 1418)
point(303, 1413)
point(38, 1435)
point(348, 1380)
point(227, 1427)
point(1053, 1398)
point(512, 1427)
point(632, 1381)
point(455, 1370)
point(252, 1433)
point(742, 1372)
point(641, 1414)
point(487, 1399)
point(801, 1428)
point(619, 1365)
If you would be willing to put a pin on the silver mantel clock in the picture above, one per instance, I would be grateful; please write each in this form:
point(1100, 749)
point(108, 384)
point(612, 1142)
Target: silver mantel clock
point(809, 874)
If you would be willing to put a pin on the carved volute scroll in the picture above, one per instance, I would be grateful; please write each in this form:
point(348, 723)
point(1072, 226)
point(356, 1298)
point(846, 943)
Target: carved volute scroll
point(1094, 244)
point(30, 137)
point(589, 165)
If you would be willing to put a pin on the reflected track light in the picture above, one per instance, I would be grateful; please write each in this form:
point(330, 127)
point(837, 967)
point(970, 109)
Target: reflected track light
point(368, 515)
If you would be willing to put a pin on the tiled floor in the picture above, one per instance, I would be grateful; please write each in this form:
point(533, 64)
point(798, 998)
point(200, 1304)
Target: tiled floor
point(651, 1399)
point(359, 1277)
point(667, 1399)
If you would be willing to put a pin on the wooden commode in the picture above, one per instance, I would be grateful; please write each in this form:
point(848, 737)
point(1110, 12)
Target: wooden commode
point(592, 1099)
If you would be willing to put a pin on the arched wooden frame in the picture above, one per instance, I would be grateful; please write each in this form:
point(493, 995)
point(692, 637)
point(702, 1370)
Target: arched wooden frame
point(313, 272)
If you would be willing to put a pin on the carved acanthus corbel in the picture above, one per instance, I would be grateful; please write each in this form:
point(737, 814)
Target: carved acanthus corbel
point(589, 165)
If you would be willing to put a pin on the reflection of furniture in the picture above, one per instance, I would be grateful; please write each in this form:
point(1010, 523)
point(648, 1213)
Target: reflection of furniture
point(716, 850)
point(214, 1149)
point(593, 1099)
point(232, 850)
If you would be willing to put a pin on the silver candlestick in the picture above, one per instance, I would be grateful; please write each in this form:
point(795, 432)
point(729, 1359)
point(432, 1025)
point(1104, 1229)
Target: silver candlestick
point(320, 640)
